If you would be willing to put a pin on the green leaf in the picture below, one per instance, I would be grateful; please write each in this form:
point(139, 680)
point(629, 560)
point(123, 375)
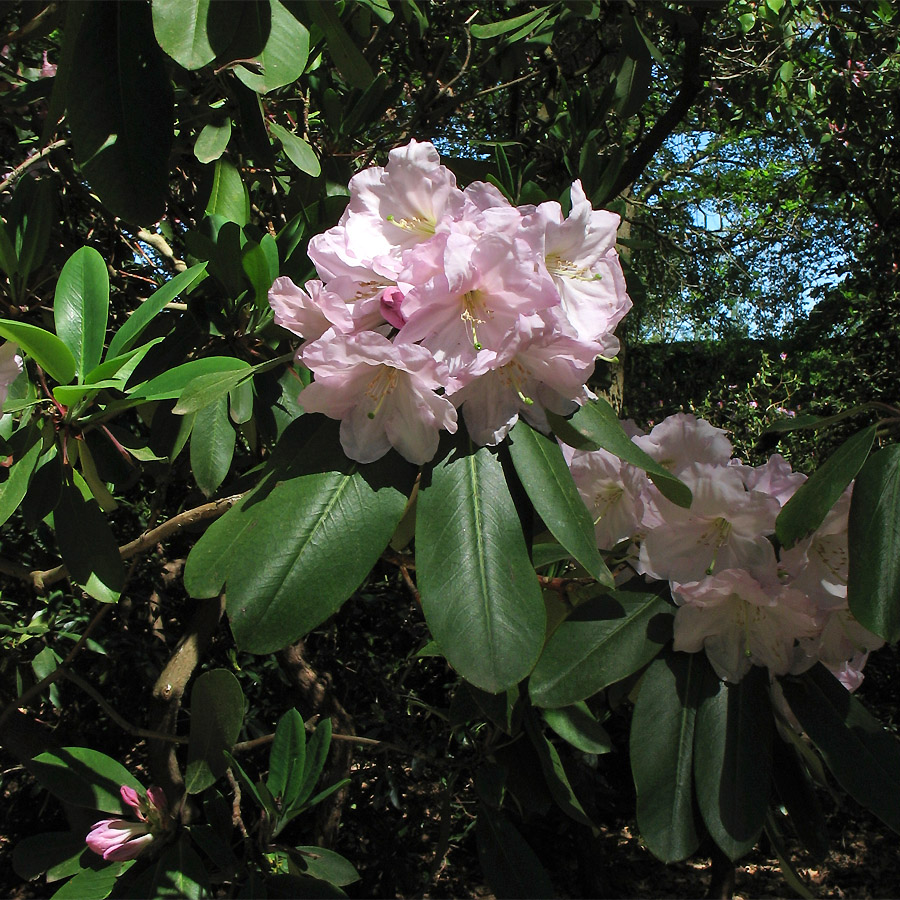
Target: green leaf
point(316, 754)
point(180, 27)
point(123, 340)
point(806, 510)
point(350, 62)
point(217, 713)
point(297, 150)
point(245, 780)
point(510, 866)
point(9, 262)
point(37, 854)
point(862, 755)
point(81, 308)
point(287, 759)
point(325, 865)
point(86, 543)
point(169, 385)
point(661, 744)
point(301, 572)
point(873, 588)
point(212, 445)
point(733, 761)
point(38, 215)
point(495, 29)
point(206, 389)
point(46, 349)
point(479, 592)
point(596, 425)
point(212, 140)
point(14, 489)
point(798, 796)
point(576, 725)
point(84, 777)
point(122, 128)
point(284, 57)
point(548, 482)
point(228, 196)
point(93, 884)
point(177, 873)
point(605, 640)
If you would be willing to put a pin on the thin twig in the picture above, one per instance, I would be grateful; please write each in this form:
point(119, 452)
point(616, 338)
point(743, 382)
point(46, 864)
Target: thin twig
point(20, 169)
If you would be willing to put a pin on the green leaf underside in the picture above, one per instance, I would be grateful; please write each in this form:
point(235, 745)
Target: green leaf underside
point(479, 592)
point(212, 445)
point(873, 589)
point(605, 640)
point(217, 713)
point(577, 725)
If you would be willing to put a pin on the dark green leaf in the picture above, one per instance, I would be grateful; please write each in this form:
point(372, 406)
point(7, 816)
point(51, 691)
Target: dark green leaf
point(217, 713)
point(350, 62)
point(479, 592)
point(8, 259)
point(297, 150)
point(180, 28)
point(806, 510)
point(84, 777)
point(733, 761)
point(509, 864)
point(212, 445)
point(316, 754)
point(596, 425)
point(46, 349)
point(548, 482)
point(93, 884)
point(284, 57)
point(798, 796)
point(495, 29)
point(661, 742)
point(212, 140)
point(36, 854)
point(13, 490)
point(287, 760)
point(325, 865)
point(177, 873)
point(38, 215)
point(874, 543)
point(862, 755)
point(122, 128)
point(81, 308)
point(577, 725)
point(605, 640)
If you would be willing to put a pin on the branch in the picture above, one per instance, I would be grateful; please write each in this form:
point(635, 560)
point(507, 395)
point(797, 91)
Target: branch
point(20, 169)
point(161, 246)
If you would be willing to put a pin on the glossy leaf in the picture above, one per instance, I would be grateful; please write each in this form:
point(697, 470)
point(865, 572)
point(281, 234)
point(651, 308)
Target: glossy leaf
point(212, 445)
point(81, 308)
point(36, 854)
point(479, 591)
point(346, 55)
point(84, 777)
point(862, 755)
point(206, 389)
point(284, 57)
point(287, 759)
point(177, 873)
point(13, 490)
point(548, 482)
point(326, 865)
point(124, 339)
point(316, 753)
point(873, 589)
point(809, 505)
point(169, 385)
point(228, 196)
point(576, 725)
point(733, 761)
point(122, 128)
point(93, 884)
point(510, 866)
point(180, 28)
point(217, 713)
point(596, 425)
point(297, 150)
point(212, 141)
point(46, 349)
point(661, 744)
point(87, 545)
point(605, 640)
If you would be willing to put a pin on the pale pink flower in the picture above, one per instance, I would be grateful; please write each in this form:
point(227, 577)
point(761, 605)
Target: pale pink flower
point(10, 368)
point(741, 623)
point(311, 312)
point(774, 478)
point(682, 439)
point(119, 839)
point(390, 306)
point(383, 393)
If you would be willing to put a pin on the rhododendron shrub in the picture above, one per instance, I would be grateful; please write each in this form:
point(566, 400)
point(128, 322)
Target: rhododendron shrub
point(513, 305)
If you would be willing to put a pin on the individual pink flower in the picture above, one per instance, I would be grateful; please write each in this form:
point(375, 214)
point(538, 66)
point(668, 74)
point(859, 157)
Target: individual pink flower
point(682, 439)
point(119, 839)
point(383, 394)
point(10, 368)
point(741, 623)
point(774, 478)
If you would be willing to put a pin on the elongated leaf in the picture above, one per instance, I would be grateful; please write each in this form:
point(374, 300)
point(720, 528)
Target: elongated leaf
point(93, 884)
point(228, 196)
point(122, 128)
point(576, 725)
point(212, 445)
point(206, 389)
point(325, 865)
point(170, 385)
point(217, 713)
point(510, 866)
point(873, 588)
point(862, 755)
point(87, 545)
point(284, 57)
point(123, 340)
point(180, 29)
point(479, 591)
point(316, 753)
point(84, 777)
point(806, 510)
point(605, 640)
point(301, 572)
point(287, 759)
point(178, 873)
point(38, 215)
point(212, 141)
point(733, 761)
point(8, 260)
point(297, 150)
point(81, 308)
point(46, 349)
point(797, 794)
point(596, 425)
point(346, 55)
point(661, 744)
point(548, 482)
point(40, 852)
point(495, 29)
point(13, 490)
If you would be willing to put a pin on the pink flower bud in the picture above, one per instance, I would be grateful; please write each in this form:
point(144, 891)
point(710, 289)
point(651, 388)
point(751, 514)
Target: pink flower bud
point(391, 300)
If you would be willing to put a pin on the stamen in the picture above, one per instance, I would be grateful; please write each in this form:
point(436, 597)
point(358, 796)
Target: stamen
point(381, 385)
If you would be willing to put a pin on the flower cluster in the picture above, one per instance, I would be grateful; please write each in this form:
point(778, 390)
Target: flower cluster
point(434, 299)
point(739, 600)
point(120, 839)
